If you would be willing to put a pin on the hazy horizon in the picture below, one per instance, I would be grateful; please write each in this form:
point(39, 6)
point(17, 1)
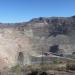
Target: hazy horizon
point(13, 11)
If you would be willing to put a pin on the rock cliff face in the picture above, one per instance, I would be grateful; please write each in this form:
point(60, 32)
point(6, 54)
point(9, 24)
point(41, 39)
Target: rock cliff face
point(20, 41)
point(12, 42)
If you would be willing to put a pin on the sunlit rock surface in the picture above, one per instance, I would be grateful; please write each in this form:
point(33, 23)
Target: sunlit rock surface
point(32, 37)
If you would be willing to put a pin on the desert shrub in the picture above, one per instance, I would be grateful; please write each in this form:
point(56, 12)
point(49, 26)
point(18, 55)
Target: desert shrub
point(15, 68)
point(70, 66)
point(33, 73)
point(43, 73)
point(62, 68)
point(57, 61)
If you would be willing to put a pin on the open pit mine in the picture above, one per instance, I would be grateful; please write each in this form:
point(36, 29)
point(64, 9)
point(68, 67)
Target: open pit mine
point(21, 42)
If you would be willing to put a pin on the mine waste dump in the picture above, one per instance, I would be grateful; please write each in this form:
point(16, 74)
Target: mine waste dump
point(41, 46)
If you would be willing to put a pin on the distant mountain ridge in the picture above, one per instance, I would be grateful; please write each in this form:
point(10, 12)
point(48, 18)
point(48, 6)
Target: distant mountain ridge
point(37, 35)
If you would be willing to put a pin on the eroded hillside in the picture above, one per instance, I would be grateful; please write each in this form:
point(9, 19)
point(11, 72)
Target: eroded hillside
point(32, 37)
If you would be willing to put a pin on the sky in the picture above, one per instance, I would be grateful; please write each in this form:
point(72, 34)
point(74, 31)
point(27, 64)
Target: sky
point(12, 11)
